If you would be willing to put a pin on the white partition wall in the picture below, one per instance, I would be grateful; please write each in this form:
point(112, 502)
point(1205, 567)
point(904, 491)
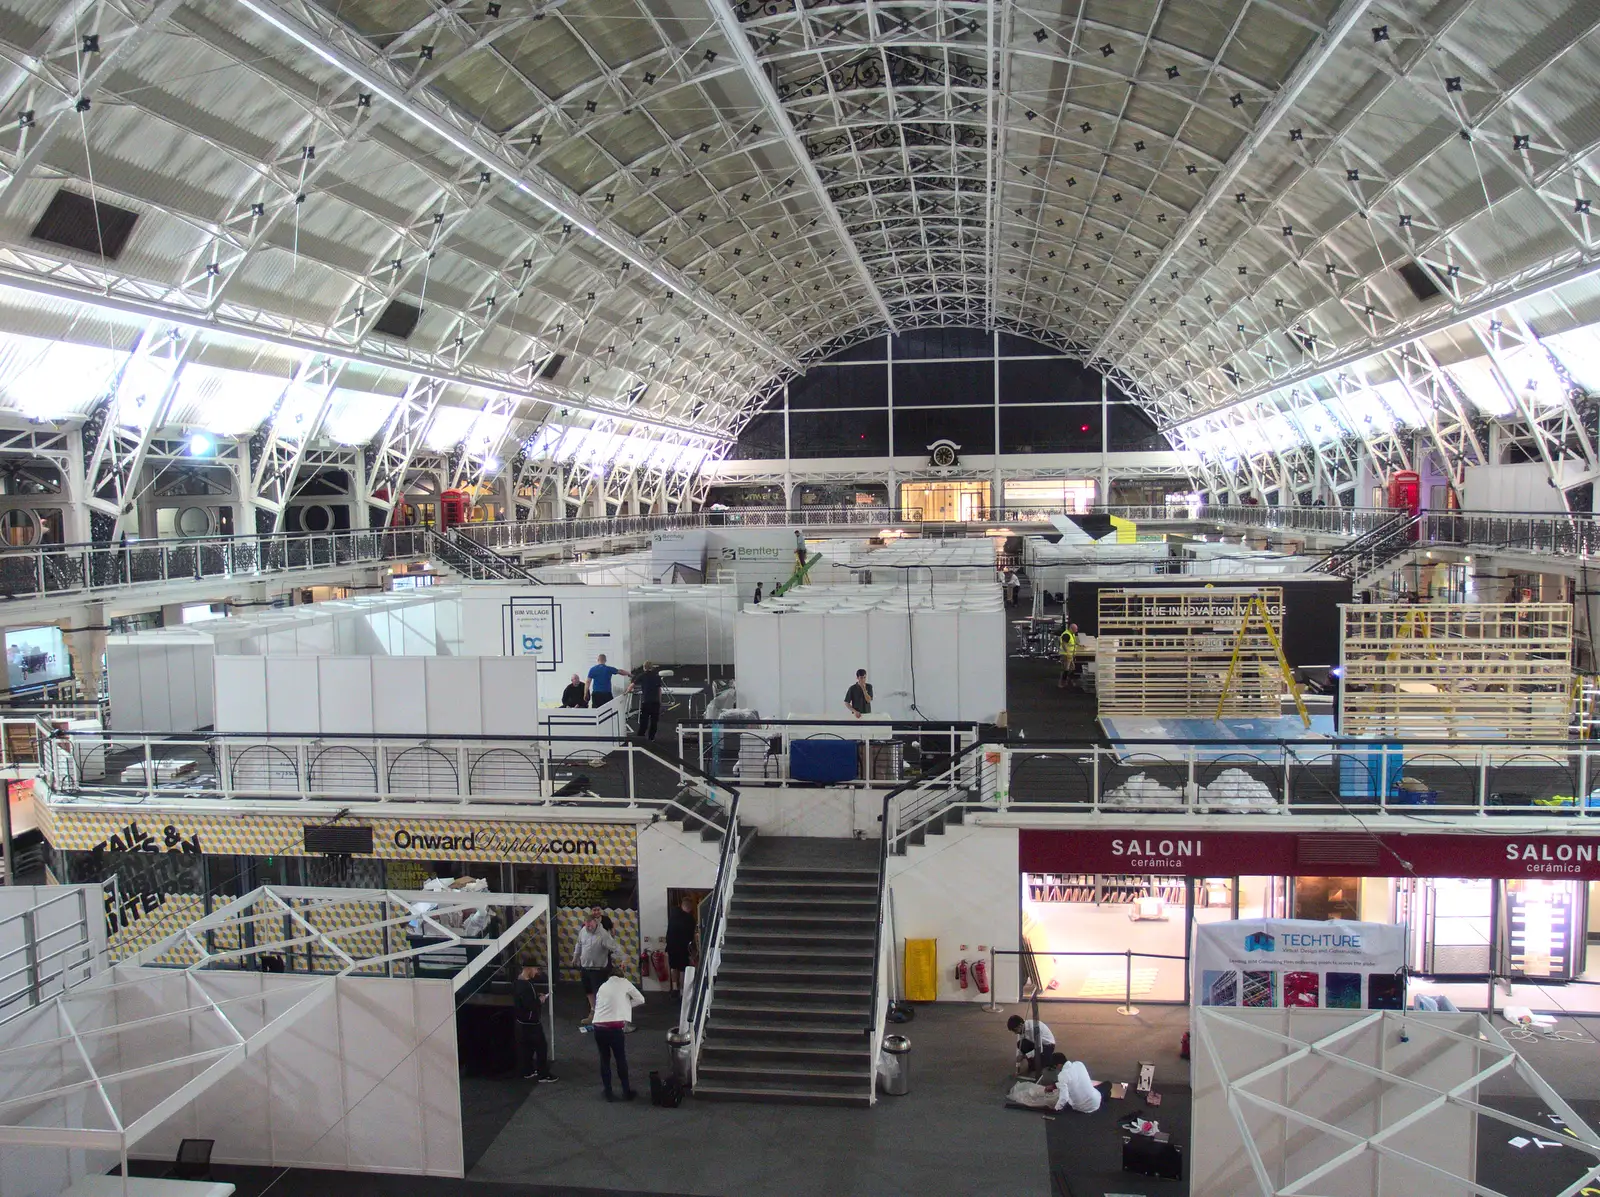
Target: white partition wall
point(794, 657)
point(1358, 1103)
point(682, 625)
point(421, 696)
point(366, 1079)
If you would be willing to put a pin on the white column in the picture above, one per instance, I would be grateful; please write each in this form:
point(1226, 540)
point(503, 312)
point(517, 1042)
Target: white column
point(1105, 441)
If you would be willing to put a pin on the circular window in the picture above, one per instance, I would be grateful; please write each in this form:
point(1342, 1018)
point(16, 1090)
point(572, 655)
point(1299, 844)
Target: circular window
point(194, 521)
point(316, 517)
point(19, 528)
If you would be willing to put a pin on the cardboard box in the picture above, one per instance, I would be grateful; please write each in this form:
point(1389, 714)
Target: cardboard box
point(1147, 1076)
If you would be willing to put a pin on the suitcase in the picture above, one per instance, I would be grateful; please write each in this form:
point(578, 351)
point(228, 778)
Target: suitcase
point(1152, 1156)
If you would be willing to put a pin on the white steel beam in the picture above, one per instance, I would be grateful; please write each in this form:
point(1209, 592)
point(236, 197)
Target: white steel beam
point(1305, 71)
point(316, 30)
point(739, 42)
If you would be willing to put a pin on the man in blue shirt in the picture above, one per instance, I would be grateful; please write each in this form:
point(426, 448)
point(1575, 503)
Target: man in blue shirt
point(599, 683)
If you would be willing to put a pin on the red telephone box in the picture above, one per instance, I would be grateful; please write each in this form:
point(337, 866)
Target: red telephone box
point(454, 504)
point(1405, 491)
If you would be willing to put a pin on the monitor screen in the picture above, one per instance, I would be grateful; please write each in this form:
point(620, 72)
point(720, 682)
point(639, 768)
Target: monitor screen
point(35, 656)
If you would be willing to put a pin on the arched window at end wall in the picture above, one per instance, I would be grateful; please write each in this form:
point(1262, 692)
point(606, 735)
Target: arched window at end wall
point(942, 383)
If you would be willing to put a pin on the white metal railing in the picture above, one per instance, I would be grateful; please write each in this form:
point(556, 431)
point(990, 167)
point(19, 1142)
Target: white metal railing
point(758, 753)
point(1551, 779)
point(45, 570)
point(1331, 521)
point(43, 961)
point(544, 771)
point(705, 979)
point(515, 534)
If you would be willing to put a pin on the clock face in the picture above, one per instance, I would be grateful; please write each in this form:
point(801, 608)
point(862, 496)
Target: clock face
point(944, 455)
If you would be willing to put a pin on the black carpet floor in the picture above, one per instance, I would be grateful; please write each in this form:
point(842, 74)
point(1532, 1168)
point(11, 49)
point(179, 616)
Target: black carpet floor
point(1532, 1170)
point(1086, 1149)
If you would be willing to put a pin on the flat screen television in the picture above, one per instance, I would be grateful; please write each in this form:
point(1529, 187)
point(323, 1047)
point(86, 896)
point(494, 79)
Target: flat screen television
point(35, 657)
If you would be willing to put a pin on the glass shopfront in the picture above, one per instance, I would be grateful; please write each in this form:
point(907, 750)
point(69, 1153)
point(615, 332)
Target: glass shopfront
point(1109, 936)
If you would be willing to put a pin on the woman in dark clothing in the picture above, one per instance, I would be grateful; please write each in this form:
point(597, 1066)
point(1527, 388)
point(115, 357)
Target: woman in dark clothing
point(680, 940)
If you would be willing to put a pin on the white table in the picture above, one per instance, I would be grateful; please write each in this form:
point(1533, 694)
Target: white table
point(147, 1186)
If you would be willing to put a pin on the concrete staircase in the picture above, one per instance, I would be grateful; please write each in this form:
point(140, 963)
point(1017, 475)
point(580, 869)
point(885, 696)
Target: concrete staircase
point(792, 1006)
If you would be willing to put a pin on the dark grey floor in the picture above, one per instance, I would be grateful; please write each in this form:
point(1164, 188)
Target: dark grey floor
point(950, 1135)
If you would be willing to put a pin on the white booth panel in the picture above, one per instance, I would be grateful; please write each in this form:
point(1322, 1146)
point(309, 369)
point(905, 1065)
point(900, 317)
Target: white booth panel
point(399, 696)
point(205, 695)
point(126, 688)
point(936, 637)
point(982, 661)
point(511, 695)
point(805, 681)
point(414, 627)
point(757, 663)
point(345, 688)
point(455, 696)
point(241, 689)
point(181, 699)
point(156, 700)
point(846, 651)
point(292, 703)
point(889, 670)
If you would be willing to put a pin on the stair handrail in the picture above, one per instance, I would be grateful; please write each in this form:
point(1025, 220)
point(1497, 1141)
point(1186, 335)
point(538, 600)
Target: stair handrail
point(712, 935)
point(1399, 536)
point(1344, 553)
point(888, 832)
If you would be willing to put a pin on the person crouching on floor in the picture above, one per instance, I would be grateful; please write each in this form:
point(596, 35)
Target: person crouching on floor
point(1035, 1044)
point(1071, 1088)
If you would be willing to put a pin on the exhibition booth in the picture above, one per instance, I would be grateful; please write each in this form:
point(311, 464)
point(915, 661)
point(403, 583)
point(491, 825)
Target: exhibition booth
point(1517, 906)
point(934, 651)
point(238, 1026)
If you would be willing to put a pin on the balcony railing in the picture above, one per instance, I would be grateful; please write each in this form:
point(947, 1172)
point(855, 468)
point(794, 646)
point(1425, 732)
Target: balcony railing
point(528, 533)
point(1551, 779)
point(47, 570)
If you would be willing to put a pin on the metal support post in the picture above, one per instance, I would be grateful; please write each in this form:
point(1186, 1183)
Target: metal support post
point(1127, 1006)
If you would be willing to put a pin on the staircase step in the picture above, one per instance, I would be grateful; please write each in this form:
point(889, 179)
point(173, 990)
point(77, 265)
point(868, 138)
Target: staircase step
point(760, 903)
point(733, 969)
point(739, 938)
point(816, 1075)
point(853, 956)
point(783, 991)
point(807, 884)
point(790, 1096)
point(841, 922)
point(809, 1034)
point(726, 1008)
point(788, 874)
point(780, 1051)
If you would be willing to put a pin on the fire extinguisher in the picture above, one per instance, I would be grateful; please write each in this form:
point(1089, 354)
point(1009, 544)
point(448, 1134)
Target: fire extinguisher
point(660, 959)
point(644, 961)
point(980, 974)
point(961, 973)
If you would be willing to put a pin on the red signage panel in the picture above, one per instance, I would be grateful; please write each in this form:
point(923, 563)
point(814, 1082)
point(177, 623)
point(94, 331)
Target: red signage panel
point(1288, 853)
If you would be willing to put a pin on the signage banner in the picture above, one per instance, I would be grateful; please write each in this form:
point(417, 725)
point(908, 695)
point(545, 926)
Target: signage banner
point(420, 838)
point(533, 629)
point(1311, 854)
point(1335, 965)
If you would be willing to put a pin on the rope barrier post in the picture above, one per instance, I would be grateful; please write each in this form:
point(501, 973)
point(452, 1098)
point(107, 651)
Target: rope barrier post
point(1127, 1006)
point(992, 1006)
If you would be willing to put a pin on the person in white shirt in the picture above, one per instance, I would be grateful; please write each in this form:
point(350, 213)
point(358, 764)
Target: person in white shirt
point(1064, 1084)
point(1074, 1088)
point(1036, 1042)
point(613, 1011)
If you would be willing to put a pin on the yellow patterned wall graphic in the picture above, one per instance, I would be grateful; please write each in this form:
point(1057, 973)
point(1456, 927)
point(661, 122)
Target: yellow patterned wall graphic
point(422, 838)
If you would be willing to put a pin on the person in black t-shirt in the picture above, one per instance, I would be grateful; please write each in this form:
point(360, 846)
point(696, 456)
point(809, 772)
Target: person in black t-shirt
point(573, 695)
point(858, 698)
point(647, 681)
point(529, 992)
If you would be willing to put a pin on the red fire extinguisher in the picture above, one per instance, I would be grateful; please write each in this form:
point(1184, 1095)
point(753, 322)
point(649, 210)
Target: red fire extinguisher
point(961, 973)
point(980, 974)
point(644, 962)
point(660, 959)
